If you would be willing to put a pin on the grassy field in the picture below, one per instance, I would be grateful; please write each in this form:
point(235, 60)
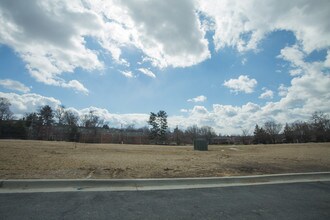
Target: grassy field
point(42, 159)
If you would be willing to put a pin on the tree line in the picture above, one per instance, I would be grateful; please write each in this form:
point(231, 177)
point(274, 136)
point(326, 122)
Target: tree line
point(66, 125)
point(317, 129)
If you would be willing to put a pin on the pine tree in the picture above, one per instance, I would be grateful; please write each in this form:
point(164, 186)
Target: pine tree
point(158, 123)
point(162, 120)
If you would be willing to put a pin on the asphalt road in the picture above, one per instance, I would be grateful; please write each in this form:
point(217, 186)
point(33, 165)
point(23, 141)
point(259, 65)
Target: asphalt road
point(280, 201)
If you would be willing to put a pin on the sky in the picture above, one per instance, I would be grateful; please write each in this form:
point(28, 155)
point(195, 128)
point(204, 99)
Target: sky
point(227, 64)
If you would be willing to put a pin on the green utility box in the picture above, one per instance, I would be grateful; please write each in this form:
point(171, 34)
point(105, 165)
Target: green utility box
point(200, 144)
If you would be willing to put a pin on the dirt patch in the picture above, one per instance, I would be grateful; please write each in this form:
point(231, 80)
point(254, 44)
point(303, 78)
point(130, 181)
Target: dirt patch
point(41, 159)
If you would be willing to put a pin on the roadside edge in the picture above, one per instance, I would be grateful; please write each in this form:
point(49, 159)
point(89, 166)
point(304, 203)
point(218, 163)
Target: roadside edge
point(65, 185)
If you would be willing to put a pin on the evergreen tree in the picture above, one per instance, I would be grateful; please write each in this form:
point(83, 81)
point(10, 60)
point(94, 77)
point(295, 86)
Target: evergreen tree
point(260, 135)
point(158, 123)
point(47, 115)
point(154, 126)
point(162, 120)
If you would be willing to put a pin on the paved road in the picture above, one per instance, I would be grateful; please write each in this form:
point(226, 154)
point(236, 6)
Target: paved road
point(280, 201)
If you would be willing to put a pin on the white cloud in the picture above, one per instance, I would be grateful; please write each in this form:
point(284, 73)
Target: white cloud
point(115, 120)
point(127, 74)
point(30, 102)
point(327, 61)
point(164, 39)
point(267, 94)
point(200, 98)
point(282, 90)
point(26, 103)
point(153, 28)
point(76, 85)
point(170, 34)
point(199, 110)
point(242, 84)
point(147, 72)
point(49, 37)
point(242, 24)
point(293, 54)
point(307, 93)
point(14, 85)
point(295, 72)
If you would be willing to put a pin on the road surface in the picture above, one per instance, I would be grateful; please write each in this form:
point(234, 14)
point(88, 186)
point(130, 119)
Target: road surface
point(275, 201)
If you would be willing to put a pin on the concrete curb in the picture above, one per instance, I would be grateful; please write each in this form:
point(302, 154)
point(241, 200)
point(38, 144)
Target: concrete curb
point(62, 185)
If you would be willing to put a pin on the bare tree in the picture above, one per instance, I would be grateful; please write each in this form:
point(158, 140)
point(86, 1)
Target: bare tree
point(245, 136)
point(70, 118)
point(192, 132)
point(59, 114)
point(5, 112)
point(321, 126)
point(207, 132)
point(91, 120)
point(272, 129)
point(178, 135)
point(302, 132)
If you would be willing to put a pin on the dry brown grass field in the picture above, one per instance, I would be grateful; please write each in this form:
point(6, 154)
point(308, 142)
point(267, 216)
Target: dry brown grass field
point(21, 159)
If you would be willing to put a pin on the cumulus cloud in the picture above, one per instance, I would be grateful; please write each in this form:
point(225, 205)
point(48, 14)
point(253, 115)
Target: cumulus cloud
point(49, 37)
point(295, 72)
point(162, 38)
point(294, 55)
point(199, 110)
point(14, 85)
point(153, 28)
point(30, 102)
point(282, 90)
point(267, 94)
point(225, 119)
point(115, 120)
point(147, 72)
point(327, 61)
point(308, 92)
point(242, 84)
point(243, 24)
point(200, 98)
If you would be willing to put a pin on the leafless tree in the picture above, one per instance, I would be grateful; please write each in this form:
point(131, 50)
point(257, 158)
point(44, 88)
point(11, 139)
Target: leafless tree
point(70, 118)
point(321, 126)
point(207, 132)
point(5, 112)
point(192, 132)
point(245, 136)
point(91, 120)
point(273, 129)
point(59, 114)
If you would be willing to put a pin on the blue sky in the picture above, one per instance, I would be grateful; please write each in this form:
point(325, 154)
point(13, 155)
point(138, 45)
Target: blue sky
point(225, 64)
